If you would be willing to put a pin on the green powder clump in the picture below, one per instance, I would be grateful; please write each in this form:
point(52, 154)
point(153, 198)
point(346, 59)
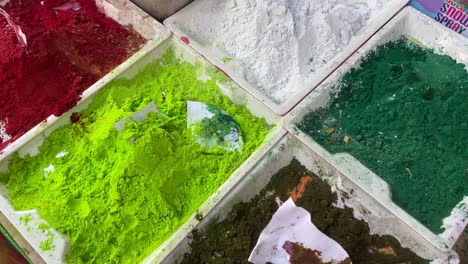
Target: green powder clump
point(26, 219)
point(226, 59)
point(47, 244)
point(118, 195)
point(403, 114)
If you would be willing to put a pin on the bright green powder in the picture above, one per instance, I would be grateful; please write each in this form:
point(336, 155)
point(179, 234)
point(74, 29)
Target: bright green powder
point(404, 114)
point(119, 195)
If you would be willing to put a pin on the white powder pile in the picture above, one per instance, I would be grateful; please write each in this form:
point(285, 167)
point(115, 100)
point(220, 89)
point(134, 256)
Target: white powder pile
point(278, 44)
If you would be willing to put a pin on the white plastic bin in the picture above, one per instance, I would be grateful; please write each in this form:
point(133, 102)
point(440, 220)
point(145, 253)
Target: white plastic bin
point(181, 25)
point(416, 26)
point(34, 236)
point(380, 220)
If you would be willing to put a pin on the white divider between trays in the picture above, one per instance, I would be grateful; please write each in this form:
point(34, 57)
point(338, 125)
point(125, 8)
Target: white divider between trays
point(35, 138)
point(364, 205)
point(428, 33)
point(215, 56)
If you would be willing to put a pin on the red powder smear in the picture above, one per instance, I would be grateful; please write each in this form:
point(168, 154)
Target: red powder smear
point(185, 40)
point(67, 52)
point(298, 254)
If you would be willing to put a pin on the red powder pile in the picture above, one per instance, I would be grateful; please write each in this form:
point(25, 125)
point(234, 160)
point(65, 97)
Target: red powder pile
point(67, 52)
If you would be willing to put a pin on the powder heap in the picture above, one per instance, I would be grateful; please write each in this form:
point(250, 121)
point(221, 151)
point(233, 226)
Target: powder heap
point(266, 36)
point(404, 115)
point(67, 52)
point(232, 239)
point(118, 195)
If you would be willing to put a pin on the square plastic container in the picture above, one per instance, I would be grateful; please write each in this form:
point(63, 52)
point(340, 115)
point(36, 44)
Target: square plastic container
point(380, 220)
point(177, 23)
point(33, 236)
point(129, 15)
point(426, 32)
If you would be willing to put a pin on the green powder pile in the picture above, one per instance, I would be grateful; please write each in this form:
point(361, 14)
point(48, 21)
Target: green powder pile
point(47, 244)
point(118, 195)
point(404, 114)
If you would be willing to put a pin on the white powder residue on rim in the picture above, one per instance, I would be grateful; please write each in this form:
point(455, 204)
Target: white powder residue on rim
point(277, 44)
point(4, 137)
point(455, 223)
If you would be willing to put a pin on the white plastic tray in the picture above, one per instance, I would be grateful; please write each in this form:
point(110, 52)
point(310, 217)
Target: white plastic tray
point(176, 24)
point(126, 14)
point(33, 236)
point(380, 220)
point(416, 26)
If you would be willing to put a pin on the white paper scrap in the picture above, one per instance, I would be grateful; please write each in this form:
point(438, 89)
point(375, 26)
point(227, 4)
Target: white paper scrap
point(290, 229)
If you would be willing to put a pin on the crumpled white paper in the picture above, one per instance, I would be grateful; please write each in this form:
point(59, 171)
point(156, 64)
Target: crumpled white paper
point(292, 225)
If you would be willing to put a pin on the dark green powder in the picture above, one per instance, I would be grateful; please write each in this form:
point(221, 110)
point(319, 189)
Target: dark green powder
point(404, 114)
point(232, 240)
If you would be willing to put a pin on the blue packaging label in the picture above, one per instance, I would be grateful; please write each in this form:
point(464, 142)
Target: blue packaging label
point(450, 13)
